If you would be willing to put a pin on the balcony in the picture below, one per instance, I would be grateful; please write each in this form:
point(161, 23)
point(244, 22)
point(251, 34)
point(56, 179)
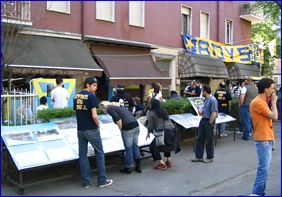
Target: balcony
point(248, 14)
point(15, 12)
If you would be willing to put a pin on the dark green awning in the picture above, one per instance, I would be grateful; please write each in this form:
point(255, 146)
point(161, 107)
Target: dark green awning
point(49, 55)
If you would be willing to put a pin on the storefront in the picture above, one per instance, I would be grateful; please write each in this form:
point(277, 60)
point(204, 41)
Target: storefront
point(31, 56)
point(125, 63)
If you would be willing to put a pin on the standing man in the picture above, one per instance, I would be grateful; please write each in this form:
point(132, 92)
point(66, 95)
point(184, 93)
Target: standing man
point(122, 97)
point(224, 100)
point(262, 117)
point(60, 95)
point(206, 128)
point(248, 93)
point(85, 104)
point(129, 128)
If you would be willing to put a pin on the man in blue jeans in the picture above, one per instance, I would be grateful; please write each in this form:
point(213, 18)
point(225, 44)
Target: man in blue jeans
point(129, 131)
point(248, 93)
point(206, 128)
point(85, 104)
point(262, 117)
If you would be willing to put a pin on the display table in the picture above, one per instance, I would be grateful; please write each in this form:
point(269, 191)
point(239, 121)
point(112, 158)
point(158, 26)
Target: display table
point(189, 120)
point(44, 144)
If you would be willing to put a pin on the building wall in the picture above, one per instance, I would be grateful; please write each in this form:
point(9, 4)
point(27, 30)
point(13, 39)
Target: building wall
point(162, 21)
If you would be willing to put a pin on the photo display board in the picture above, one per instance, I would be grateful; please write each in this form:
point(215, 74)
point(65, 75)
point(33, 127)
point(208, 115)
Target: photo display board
point(47, 143)
point(191, 121)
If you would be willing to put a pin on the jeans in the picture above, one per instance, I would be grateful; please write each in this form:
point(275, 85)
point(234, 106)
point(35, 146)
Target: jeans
point(264, 152)
point(93, 137)
point(246, 120)
point(156, 153)
point(222, 127)
point(130, 141)
point(205, 132)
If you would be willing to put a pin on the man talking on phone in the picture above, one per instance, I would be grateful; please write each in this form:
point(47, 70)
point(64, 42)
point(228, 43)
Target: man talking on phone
point(262, 117)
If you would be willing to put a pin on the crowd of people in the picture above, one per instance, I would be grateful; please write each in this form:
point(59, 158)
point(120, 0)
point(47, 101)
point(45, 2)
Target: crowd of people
point(257, 106)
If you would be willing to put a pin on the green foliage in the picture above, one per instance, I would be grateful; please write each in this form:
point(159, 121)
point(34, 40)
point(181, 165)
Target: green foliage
point(48, 114)
point(263, 33)
point(174, 106)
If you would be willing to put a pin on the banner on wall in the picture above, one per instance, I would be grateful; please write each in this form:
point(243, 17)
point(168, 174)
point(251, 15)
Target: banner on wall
point(43, 87)
point(244, 54)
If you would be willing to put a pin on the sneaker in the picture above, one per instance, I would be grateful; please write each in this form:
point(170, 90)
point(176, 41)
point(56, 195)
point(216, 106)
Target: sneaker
point(168, 163)
point(253, 195)
point(208, 160)
point(239, 132)
point(107, 183)
point(160, 166)
point(196, 160)
point(223, 135)
point(86, 186)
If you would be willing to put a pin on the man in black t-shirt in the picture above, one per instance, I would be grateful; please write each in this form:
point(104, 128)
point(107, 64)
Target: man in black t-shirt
point(129, 131)
point(85, 104)
point(224, 99)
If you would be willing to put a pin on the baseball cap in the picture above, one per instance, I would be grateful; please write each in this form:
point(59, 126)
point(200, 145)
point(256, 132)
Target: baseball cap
point(90, 80)
point(120, 87)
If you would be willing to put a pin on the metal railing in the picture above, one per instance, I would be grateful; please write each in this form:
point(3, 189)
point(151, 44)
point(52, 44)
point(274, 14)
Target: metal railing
point(18, 107)
point(15, 10)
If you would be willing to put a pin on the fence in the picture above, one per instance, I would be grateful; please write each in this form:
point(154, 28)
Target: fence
point(18, 107)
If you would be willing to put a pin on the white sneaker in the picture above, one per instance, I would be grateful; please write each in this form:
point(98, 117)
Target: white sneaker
point(107, 183)
point(223, 135)
point(239, 132)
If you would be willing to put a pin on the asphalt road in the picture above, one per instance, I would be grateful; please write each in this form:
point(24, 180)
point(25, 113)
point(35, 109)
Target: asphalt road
point(231, 174)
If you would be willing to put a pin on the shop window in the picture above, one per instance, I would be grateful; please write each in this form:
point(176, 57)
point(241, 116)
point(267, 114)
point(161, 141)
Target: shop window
point(59, 6)
point(186, 20)
point(137, 13)
point(105, 10)
point(205, 25)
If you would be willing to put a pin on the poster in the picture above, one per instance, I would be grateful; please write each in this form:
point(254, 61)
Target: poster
point(18, 138)
point(197, 103)
point(47, 135)
point(186, 120)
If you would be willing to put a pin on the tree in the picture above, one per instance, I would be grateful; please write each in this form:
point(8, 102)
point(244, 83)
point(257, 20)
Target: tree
point(269, 30)
point(15, 18)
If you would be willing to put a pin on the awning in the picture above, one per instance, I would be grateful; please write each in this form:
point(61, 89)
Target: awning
point(240, 71)
point(128, 65)
point(193, 65)
point(30, 54)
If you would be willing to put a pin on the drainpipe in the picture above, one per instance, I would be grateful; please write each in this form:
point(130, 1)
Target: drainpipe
point(218, 25)
point(82, 19)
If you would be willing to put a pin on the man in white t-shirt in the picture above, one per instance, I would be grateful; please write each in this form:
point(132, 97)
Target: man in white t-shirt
point(59, 95)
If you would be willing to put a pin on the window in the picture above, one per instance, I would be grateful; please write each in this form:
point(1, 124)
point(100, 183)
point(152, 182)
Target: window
point(59, 6)
point(205, 26)
point(228, 32)
point(136, 13)
point(186, 20)
point(105, 10)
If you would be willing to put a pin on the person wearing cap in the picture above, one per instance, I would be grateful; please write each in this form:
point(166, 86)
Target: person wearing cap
point(174, 95)
point(248, 93)
point(129, 128)
point(85, 105)
point(123, 98)
point(224, 100)
point(60, 95)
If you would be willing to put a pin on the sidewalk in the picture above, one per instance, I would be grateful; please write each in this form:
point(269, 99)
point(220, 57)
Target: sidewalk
point(232, 173)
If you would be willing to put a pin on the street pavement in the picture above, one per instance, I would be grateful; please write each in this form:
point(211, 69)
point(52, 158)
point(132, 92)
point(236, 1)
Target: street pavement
point(232, 173)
